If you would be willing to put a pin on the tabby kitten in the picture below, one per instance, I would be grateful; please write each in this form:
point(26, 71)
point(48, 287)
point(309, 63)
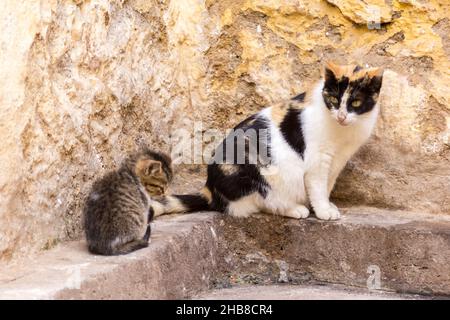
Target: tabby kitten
point(308, 141)
point(117, 213)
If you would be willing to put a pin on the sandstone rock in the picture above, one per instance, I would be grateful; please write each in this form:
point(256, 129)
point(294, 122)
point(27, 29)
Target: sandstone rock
point(365, 12)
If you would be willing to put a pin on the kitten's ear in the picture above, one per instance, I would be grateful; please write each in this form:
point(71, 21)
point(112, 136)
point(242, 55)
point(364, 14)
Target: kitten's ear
point(153, 167)
point(147, 167)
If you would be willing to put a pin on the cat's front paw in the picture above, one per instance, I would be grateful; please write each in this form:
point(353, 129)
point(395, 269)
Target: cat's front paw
point(331, 212)
point(298, 212)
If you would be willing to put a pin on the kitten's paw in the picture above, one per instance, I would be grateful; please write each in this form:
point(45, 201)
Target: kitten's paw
point(328, 213)
point(298, 212)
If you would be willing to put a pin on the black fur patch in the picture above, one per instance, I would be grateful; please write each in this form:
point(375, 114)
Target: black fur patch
point(330, 78)
point(193, 202)
point(245, 181)
point(364, 90)
point(148, 231)
point(334, 87)
point(291, 128)
point(247, 178)
point(300, 97)
point(256, 130)
point(151, 213)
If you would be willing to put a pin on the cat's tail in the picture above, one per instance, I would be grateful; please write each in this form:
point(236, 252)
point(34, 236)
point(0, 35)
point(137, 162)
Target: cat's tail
point(183, 203)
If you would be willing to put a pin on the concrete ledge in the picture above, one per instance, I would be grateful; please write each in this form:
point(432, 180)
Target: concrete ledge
point(192, 253)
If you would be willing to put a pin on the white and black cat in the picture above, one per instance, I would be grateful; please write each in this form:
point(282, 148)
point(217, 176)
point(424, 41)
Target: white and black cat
point(308, 141)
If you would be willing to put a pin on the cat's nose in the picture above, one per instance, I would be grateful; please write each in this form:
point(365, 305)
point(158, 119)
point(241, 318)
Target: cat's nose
point(341, 116)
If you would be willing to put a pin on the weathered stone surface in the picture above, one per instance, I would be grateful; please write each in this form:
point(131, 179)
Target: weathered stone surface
point(365, 12)
point(301, 292)
point(83, 82)
point(410, 251)
point(180, 261)
point(191, 253)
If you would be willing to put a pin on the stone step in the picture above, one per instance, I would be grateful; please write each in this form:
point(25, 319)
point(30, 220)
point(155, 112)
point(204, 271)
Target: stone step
point(179, 262)
point(302, 292)
point(405, 251)
point(402, 251)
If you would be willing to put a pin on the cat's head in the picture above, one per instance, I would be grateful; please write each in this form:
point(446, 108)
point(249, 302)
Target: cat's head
point(351, 92)
point(154, 170)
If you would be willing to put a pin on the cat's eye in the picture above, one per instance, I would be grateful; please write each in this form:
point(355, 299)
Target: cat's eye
point(334, 100)
point(356, 103)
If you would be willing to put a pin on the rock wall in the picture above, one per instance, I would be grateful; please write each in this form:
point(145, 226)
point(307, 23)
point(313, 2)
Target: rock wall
point(85, 81)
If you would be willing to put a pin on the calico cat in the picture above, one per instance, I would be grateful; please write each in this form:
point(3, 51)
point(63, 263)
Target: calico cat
point(118, 212)
point(308, 139)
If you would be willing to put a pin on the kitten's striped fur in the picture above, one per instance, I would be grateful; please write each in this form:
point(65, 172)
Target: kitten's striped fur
point(117, 213)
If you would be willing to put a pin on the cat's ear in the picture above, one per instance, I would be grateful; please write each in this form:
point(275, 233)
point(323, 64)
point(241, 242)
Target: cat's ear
point(153, 167)
point(331, 74)
point(375, 72)
point(331, 70)
point(375, 76)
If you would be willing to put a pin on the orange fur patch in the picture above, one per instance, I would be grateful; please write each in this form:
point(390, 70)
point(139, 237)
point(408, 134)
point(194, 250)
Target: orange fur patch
point(278, 112)
point(207, 194)
point(340, 70)
point(280, 109)
point(347, 71)
point(370, 72)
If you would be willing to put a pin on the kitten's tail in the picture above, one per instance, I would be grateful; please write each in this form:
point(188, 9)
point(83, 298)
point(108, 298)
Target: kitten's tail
point(183, 203)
